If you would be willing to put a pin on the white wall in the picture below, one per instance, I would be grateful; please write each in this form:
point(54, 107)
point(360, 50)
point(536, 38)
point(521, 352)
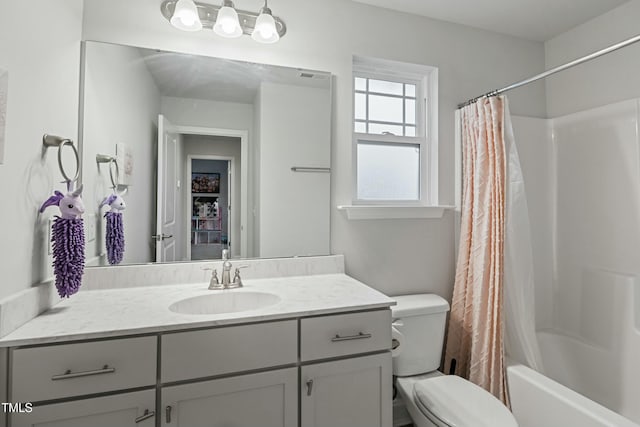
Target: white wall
point(215, 114)
point(227, 147)
point(392, 255)
point(121, 105)
point(43, 62)
point(605, 80)
point(295, 130)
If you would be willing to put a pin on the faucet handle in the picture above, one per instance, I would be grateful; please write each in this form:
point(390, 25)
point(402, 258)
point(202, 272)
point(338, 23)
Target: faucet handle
point(214, 283)
point(237, 280)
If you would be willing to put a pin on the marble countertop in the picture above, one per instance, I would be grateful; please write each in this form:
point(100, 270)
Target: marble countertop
point(118, 312)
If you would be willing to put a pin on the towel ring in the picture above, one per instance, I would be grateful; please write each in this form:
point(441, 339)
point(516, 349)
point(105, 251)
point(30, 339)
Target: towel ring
point(103, 158)
point(60, 142)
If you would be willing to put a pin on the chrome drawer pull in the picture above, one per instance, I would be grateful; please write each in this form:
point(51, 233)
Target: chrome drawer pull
point(168, 414)
point(360, 336)
point(309, 387)
point(144, 416)
point(68, 375)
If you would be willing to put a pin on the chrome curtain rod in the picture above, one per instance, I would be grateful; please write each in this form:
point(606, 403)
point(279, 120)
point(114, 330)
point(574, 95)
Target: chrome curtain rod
point(557, 69)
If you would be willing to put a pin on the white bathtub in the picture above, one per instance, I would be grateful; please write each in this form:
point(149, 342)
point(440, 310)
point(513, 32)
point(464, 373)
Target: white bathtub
point(538, 401)
point(599, 358)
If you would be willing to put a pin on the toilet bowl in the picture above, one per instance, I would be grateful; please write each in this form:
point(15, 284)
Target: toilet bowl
point(432, 398)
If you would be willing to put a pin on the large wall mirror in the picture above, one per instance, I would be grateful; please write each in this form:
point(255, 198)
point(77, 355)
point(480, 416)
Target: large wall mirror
point(209, 153)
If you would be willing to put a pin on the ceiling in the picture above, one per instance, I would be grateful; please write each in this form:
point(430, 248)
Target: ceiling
point(537, 20)
point(203, 77)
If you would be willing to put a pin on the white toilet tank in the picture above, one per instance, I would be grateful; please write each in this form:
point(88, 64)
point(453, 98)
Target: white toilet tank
point(421, 320)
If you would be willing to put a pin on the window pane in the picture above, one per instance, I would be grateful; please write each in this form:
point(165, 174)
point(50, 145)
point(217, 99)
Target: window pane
point(382, 86)
point(410, 131)
point(360, 127)
point(384, 108)
point(360, 106)
point(388, 171)
point(379, 129)
point(410, 111)
point(360, 84)
point(410, 90)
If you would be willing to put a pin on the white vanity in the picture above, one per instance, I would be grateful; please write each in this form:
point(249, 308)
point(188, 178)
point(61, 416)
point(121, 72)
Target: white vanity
point(317, 354)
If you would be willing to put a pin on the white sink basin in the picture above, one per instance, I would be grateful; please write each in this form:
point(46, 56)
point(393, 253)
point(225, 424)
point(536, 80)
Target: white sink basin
point(224, 302)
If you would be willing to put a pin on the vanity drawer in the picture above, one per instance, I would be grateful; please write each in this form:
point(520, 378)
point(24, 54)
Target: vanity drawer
point(224, 350)
point(57, 371)
point(344, 334)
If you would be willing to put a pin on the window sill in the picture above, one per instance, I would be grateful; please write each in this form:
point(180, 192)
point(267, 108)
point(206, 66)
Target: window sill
point(354, 212)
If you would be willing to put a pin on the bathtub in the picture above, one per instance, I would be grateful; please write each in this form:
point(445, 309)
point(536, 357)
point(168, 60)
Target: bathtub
point(538, 401)
point(599, 357)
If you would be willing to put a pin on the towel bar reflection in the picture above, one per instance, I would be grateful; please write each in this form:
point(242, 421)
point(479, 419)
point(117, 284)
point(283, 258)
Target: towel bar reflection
point(310, 169)
point(60, 142)
point(104, 158)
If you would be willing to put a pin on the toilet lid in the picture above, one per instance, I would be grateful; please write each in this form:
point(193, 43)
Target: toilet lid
point(457, 402)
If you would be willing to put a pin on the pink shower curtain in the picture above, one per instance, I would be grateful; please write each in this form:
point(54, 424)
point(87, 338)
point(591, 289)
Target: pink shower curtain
point(475, 336)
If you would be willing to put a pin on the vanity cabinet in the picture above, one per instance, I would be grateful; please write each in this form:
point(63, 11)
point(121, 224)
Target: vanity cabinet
point(67, 370)
point(227, 350)
point(266, 399)
point(316, 371)
point(135, 409)
point(354, 392)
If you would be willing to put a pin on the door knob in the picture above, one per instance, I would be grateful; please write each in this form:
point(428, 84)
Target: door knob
point(161, 237)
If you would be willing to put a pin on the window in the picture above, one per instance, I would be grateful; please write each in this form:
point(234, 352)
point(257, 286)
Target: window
point(393, 132)
point(384, 107)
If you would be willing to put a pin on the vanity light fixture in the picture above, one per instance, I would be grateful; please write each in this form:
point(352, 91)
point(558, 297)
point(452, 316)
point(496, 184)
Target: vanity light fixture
point(265, 30)
point(227, 24)
point(185, 16)
point(225, 20)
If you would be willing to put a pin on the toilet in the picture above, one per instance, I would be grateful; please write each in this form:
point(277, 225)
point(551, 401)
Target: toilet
point(431, 398)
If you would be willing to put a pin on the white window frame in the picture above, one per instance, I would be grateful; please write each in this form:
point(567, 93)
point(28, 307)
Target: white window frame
point(426, 80)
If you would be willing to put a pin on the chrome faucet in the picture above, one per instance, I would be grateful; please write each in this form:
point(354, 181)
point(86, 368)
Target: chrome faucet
point(226, 269)
point(227, 283)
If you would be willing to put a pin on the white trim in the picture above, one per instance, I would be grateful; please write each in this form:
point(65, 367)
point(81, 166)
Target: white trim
point(244, 172)
point(355, 212)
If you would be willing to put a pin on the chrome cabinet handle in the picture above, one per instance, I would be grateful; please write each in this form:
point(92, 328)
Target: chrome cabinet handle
point(309, 387)
point(147, 414)
point(168, 414)
point(69, 375)
point(359, 336)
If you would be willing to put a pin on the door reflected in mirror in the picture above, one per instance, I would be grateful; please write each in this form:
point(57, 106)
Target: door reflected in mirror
point(218, 154)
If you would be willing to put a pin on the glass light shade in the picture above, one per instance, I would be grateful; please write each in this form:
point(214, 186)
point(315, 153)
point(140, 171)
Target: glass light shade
point(185, 16)
point(265, 30)
point(227, 24)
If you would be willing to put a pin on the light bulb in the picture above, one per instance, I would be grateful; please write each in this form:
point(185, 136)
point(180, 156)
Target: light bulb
point(265, 30)
point(227, 24)
point(185, 16)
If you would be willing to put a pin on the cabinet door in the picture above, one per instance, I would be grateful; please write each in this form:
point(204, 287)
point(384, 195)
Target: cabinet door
point(353, 392)
point(267, 399)
point(122, 410)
